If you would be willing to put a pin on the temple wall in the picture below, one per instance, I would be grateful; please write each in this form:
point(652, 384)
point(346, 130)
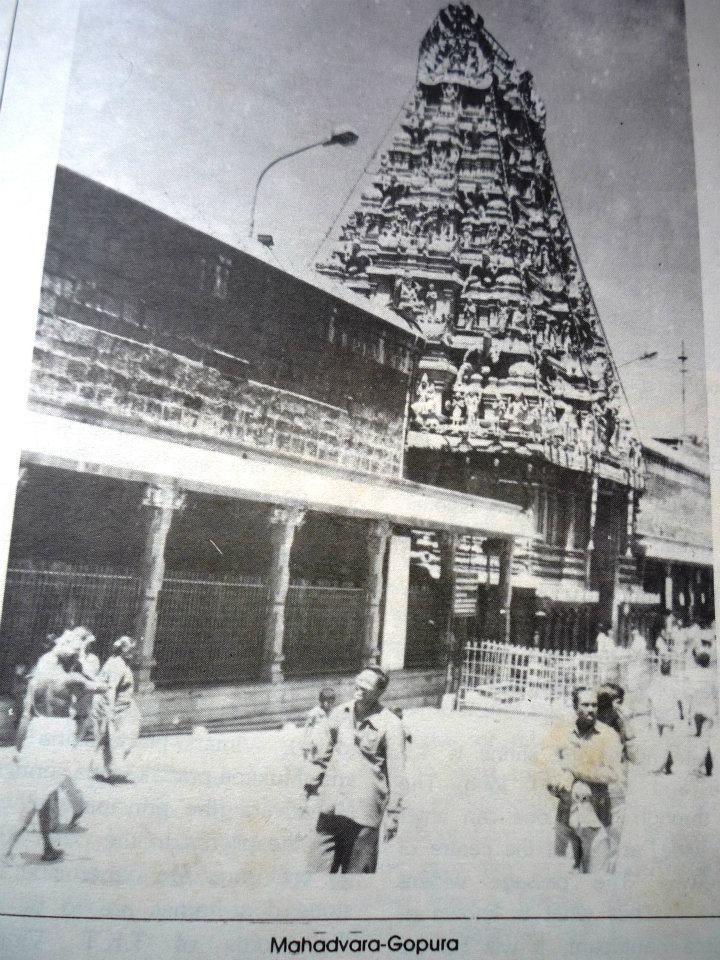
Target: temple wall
point(148, 325)
point(81, 371)
point(675, 505)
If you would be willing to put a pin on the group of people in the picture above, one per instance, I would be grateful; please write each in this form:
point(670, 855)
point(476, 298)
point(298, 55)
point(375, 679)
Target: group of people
point(68, 696)
point(587, 762)
point(356, 752)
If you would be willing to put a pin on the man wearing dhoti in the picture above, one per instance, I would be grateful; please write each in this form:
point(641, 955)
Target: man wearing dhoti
point(47, 737)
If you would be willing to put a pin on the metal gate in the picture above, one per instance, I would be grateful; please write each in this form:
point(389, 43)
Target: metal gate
point(508, 677)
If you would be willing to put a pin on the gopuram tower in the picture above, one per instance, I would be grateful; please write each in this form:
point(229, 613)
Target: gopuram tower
point(459, 227)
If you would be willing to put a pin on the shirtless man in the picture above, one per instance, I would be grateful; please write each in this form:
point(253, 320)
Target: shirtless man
point(47, 736)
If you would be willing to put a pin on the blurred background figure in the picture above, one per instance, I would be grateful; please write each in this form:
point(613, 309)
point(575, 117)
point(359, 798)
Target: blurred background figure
point(116, 714)
point(317, 729)
point(665, 718)
point(703, 709)
point(611, 697)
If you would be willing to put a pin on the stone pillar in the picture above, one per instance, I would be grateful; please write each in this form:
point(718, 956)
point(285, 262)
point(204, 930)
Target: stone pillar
point(284, 522)
point(505, 583)
point(668, 588)
point(571, 520)
point(161, 501)
point(397, 592)
point(378, 535)
point(591, 541)
point(448, 552)
point(630, 525)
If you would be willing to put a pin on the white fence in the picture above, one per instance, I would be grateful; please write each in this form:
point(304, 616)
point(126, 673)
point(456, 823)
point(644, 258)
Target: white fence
point(500, 676)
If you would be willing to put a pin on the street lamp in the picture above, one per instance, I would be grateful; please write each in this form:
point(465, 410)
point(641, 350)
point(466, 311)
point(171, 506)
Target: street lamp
point(341, 137)
point(649, 355)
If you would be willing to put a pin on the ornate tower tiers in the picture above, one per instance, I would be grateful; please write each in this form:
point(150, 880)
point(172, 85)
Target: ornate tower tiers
point(458, 226)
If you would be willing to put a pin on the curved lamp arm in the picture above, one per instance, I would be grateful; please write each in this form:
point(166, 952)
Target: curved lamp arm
point(344, 138)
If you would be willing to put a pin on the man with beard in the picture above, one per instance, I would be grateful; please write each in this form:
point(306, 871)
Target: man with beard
point(46, 737)
point(362, 775)
point(581, 763)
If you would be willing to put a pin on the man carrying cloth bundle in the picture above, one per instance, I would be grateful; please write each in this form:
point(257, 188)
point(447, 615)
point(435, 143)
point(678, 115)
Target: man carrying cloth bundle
point(47, 736)
point(581, 762)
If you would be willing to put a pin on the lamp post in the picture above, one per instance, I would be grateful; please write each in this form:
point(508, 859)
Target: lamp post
point(648, 355)
point(343, 137)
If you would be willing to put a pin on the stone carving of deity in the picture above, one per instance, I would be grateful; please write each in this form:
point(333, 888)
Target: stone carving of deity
point(427, 406)
point(548, 418)
point(586, 433)
point(407, 294)
point(474, 137)
point(466, 235)
point(472, 407)
point(465, 371)
point(458, 412)
point(431, 301)
point(499, 409)
point(470, 314)
point(569, 427)
point(450, 95)
point(572, 365)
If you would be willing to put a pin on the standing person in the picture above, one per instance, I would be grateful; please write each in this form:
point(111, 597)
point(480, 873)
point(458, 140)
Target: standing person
point(610, 712)
point(703, 705)
point(360, 778)
point(116, 714)
point(47, 737)
point(606, 654)
point(581, 762)
point(638, 661)
point(666, 639)
point(317, 728)
point(665, 716)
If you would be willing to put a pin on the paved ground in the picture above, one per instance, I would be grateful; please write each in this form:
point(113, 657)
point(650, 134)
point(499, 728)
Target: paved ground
point(214, 826)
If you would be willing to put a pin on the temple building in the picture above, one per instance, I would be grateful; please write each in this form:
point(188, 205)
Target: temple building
point(458, 227)
point(213, 463)
point(674, 529)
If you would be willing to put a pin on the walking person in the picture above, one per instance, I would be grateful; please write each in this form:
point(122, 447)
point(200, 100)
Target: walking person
point(581, 761)
point(116, 714)
point(360, 779)
point(46, 739)
point(666, 717)
point(703, 706)
point(88, 665)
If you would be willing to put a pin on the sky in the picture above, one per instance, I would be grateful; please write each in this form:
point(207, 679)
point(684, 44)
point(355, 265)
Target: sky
point(181, 103)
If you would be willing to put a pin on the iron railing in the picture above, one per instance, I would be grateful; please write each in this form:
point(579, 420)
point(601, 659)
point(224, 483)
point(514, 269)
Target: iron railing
point(504, 676)
point(323, 629)
point(43, 602)
point(209, 631)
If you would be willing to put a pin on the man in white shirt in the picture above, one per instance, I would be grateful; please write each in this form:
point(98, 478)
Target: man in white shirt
point(360, 779)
